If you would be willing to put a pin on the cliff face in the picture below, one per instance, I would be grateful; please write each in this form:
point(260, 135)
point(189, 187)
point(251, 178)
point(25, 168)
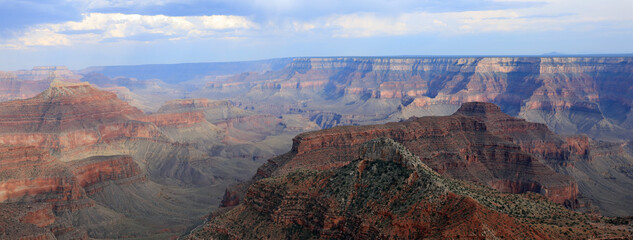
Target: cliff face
point(475, 144)
point(28, 83)
point(570, 94)
point(41, 190)
point(67, 116)
point(185, 119)
point(480, 143)
point(385, 193)
point(88, 156)
point(31, 174)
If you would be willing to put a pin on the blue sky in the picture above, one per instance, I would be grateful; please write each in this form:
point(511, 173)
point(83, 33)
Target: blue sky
point(82, 33)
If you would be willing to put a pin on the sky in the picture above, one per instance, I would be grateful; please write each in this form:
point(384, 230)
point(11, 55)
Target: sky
point(83, 33)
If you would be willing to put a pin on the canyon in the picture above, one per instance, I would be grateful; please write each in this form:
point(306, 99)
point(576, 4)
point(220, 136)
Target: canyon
point(481, 144)
point(148, 151)
point(571, 95)
point(78, 162)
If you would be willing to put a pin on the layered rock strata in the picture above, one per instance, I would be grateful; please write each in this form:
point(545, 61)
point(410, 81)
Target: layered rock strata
point(389, 193)
point(478, 143)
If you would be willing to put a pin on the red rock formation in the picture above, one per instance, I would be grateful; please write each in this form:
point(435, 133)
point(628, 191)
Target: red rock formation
point(68, 106)
point(41, 217)
point(386, 193)
point(99, 169)
point(73, 143)
point(578, 145)
point(67, 116)
point(230, 199)
point(478, 143)
point(214, 110)
point(183, 119)
point(32, 175)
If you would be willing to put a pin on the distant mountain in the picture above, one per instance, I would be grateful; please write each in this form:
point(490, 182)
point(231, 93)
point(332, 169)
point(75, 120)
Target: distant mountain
point(177, 73)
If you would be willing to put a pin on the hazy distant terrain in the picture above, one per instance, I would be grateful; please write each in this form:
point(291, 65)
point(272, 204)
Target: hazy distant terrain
point(570, 94)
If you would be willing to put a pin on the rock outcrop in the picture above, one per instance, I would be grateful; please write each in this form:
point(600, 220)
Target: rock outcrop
point(34, 221)
point(183, 119)
point(214, 110)
point(478, 143)
point(389, 193)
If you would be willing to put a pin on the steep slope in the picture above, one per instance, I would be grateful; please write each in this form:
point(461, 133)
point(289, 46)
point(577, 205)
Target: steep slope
point(66, 117)
point(463, 146)
point(388, 193)
point(102, 168)
point(479, 143)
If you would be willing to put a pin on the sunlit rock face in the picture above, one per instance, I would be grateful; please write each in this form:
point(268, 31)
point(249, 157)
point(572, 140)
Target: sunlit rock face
point(569, 94)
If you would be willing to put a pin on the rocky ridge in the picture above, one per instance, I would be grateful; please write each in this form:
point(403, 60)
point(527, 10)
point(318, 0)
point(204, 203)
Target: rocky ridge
point(478, 143)
point(461, 146)
point(387, 193)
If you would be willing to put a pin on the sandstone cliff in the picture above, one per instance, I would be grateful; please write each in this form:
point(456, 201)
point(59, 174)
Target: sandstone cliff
point(570, 94)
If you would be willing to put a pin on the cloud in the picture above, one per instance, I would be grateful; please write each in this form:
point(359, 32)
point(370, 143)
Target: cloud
point(107, 27)
point(284, 19)
point(556, 15)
